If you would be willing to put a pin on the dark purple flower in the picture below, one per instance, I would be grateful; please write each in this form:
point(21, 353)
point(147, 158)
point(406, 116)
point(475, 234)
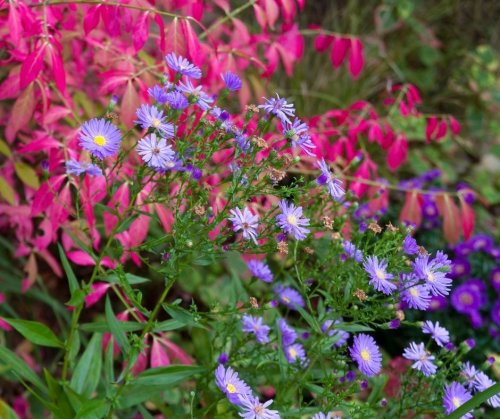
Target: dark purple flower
point(430, 175)
point(481, 242)
point(394, 324)
point(438, 303)
point(177, 100)
point(480, 287)
point(476, 320)
point(158, 93)
point(495, 253)
point(495, 278)
point(463, 249)
point(363, 385)
point(410, 246)
point(465, 299)
point(232, 81)
point(223, 358)
point(495, 313)
point(459, 267)
point(429, 209)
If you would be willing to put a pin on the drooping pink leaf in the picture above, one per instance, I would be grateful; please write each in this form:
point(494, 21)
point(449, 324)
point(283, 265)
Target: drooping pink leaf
point(57, 68)
point(178, 353)
point(193, 47)
point(430, 128)
point(158, 356)
point(441, 130)
point(451, 217)
point(161, 30)
point(454, 125)
point(51, 261)
point(80, 258)
point(140, 32)
point(272, 12)
point(91, 18)
point(356, 58)
point(398, 152)
point(468, 218)
point(339, 50)
point(129, 105)
point(9, 89)
point(322, 42)
point(98, 291)
point(21, 113)
point(260, 15)
point(411, 212)
point(31, 66)
point(44, 196)
point(141, 363)
point(14, 24)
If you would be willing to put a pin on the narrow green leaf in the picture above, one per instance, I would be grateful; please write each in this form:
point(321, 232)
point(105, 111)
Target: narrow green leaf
point(6, 412)
point(88, 370)
point(116, 328)
point(9, 361)
point(4, 149)
point(36, 332)
point(309, 319)
point(353, 327)
point(72, 281)
point(182, 315)
point(477, 400)
point(59, 405)
point(167, 325)
point(27, 174)
point(93, 409)
point(102, 326)
point(6, 191)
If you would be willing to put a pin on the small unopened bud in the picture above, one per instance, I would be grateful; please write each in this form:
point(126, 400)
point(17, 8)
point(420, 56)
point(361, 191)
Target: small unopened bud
point(189, 243)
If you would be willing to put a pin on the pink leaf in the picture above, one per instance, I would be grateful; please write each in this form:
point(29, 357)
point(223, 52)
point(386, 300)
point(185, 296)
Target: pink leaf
point(193, 47)
point(322, 42)
point(57, 68)
point(411, 212)
point(14, 24)
point(442, 129)
point(4, 325)
point(161, 29)
point(159, 357)
point(31, 66)
point(430, 128)
point(398, 153)
point(177, 353)
point(44, 196)
point(140, 32)
point(98, 291)
point(451, 217)
point(130, 103)
point(356, 58)
point(272, 12)
point(80, 258)
point(21, 113)
point(339, 51)
point(468, 218)
point(91, 18)
point(9, 89)
point(454, 125)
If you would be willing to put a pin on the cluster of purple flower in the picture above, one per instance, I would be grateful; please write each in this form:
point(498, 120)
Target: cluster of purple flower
point(294, 352)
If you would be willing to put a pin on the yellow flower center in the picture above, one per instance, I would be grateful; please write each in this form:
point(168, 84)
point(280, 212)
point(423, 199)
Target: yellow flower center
point(259, 409)
point(155, 122)
point(285, 299)
point(380, 274)
point(414, 292)
point(292, 219)
point(100, 140)
point(465, 298)
point(365, 355)
point(231, 388)
point(430, 277)
point(456, 402)
point(293, 353)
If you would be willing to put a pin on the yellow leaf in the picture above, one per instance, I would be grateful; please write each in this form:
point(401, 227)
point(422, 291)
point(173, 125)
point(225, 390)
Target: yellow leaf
point(27, 175)
point(6, 191)
point(4, 149)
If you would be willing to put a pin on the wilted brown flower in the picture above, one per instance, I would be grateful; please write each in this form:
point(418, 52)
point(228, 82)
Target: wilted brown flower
point(360, 295)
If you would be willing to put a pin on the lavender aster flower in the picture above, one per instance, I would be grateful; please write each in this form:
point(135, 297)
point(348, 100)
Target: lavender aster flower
point(289, 297)
point(468, 372)
point(260, 270)
point(151, 117)
point(294, 353)
point(414, 294)
point(177, 100)
point(197, 94)
point(288, 335)
point(232, 81)
point(438, 282)
point(158, 93)
point(297, 133)
point(455, 395)
point(246, 222)
point(465, 299)
point(100, 137)
point(255, 325)
point(379, 277)
point(335, 186)
point(481, 383)
point(155, 151)
point(423, 359)
point(352, 251)
point(410, 246)
point(291, 220)
point(440, 335)
point(367, 354)
point(230, 384)
point(254, 409)
point(242, 141)
point(495, 278)
point(329, 328)
point(278, 107)
point(182, 65)
point(74, 167)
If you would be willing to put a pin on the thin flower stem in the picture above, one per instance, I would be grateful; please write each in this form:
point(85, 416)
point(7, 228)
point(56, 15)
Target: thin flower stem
point(229, 16)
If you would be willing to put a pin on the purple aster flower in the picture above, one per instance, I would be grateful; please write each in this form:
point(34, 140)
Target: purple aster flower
point(230, 384)
point(481, 242)
point(468, 372)
point(152, 117)
point(459, 267)
point(495, 278)
point(321, 415)
point(223, 117)
point(158, 93)
point(430, 271)
point(305, 144)
point(414, 294)
point(463, 249)
point(410, 246)
point(254, 409)
point(335, 186)
point(255, 325)
point(495, 313)
point(379, 277)
point(242, 141)
point(481, 383)
point(495, 253)
point(455, 395)
point(297, 133)
point(155, 151)
point(223, 358)
point(328, 327)
point(440, 335)
point(291, 220)
point(278, 107)
point(438, 303)
point(352, 251)
point(177, 100)
point(232, 81)
point(430, 175)
point(199, 96)
point(480, 287)
point(100, 137)
point(367, 354)
point(423, 359)
point(74, 167)
point(288, 335)
point(289, 297)
point(260, 270)
point(429, 209)
point(475, 319)
point(182, 65)
point(465, 299)
point(294, 353)
point(246, 222)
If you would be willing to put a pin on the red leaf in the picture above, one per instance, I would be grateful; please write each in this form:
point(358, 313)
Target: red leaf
point(339, 51)
point(451, 217)
point(468, 218)
point(356, 59)
point(398, 153)
point(130, 103)
point(161, 29)
point(430, 128)
point(80, 258)
point(98, 291)
point(31, 66)
point(322, 42)
point(411, 212)
point(21, 113)
point(44, 196)
point(14, 24)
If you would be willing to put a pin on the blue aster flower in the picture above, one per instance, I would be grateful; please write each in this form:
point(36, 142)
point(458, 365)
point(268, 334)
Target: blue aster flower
point(152, 117)
point(155, 151)
point(177, 100)
point(440, 335)
point(379, 277)
point(416, 295)
point(201, 98)
point(288, 335)
point(232, 81)
point(182, 66)
point(256, 326)
point(278, 107)
point(423, 359)
point(246, 222)
point(77, 168)
point(367, 354)
point(432, 272)
point(100, 137)
point(455, 395)
point(260, 270)
point(335, 186)
point(292, 221)
point(158, 93)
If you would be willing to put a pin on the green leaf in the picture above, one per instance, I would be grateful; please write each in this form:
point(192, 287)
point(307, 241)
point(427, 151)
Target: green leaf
point(5, 411)
point(9, 361)
point(102, 327)
point(6, 191)
point(181, 315)
point(4, 149)
point(93, 409)
point(116, 328)
point(309, 319)
point(475, 401)
point(72, 281)
point(168, 325)
point(36, 332)
point(59, 404)
point(152, 382)
point(88, 370)
point(131, 279)
point(27, 174)
point(353, 327)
